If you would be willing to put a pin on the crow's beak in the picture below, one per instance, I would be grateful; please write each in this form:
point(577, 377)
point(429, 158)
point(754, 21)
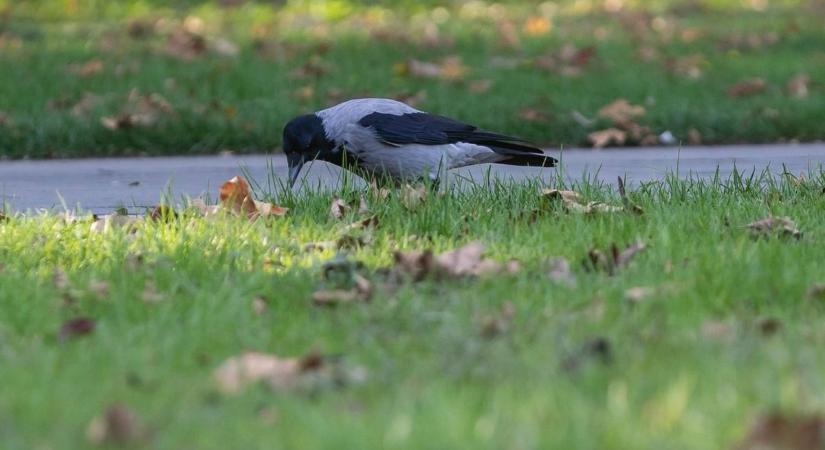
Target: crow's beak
point(295, 162)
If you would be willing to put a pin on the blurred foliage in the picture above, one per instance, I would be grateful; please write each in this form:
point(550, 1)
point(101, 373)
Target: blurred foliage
point(101, 77)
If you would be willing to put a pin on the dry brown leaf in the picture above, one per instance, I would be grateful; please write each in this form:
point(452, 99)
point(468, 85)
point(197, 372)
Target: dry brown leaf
point(556, 195)
point(115, 222)
point(236, 196)
point(571, 201)
point(596, 349)
point(117, 426)
point(816, 291)
point(785, 432)
point(621, 111)
point(694, 137)
point(747, 88)
point(603, 138)
point(799, 86)
point(238, 372)
point(363, 206)
point(74, 328)
point(500, 323)
point(639, 293)
point(449, 69)
point(689, 66)
point(282, 373)
point(85, 105)
point(360, 292)
point(628, 204)
point(259, 305)
point(717, 331)
point(537, 26)
point(150, 293)
point(560, 272)
point(338, 208)
point(532, 115)
point(60, 280)
point(480, 86)
point(100, 289)
point(461, 262)
point(782, 226)
point(413, 196)
point(185, 45)
point(86, 69)
point(614, 259)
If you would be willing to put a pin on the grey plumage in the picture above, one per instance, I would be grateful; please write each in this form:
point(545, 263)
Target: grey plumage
point(383, 137)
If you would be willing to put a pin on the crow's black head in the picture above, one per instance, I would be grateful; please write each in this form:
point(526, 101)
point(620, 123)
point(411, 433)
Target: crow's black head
point(305, 140)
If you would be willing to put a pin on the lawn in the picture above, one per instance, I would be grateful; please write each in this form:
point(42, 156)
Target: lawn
point(144, 78)
point(119, 336)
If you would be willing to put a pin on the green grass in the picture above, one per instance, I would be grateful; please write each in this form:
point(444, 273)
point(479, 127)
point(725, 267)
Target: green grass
point(239, 103)
point(434, 380)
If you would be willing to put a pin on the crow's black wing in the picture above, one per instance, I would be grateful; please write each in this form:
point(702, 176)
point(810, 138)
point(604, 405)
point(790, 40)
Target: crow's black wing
point(429, 129)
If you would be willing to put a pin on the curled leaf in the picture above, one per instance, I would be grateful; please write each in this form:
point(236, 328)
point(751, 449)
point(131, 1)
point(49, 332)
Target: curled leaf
point(782, 226)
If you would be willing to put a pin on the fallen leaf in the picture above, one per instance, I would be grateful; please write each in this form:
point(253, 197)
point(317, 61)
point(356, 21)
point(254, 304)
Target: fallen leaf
point(224, 47)
point(115, 222)
point(799, 86)
point(717, 331)
point(694, 137)
point(532, 115)
point(461, 262)
point(621, 111)
point(571, 201)
point(413, 196)
point(259, 305)
point(480, 86)
point(338, 209)
point(85, 105)
point(150, 293)
point(768, 326)
point(75, 328)
point(747, 88)
point(560, 272)
point(816, 291)
point(537, 26)
point(60, 280)
point(99, 288)
point(499, 323)
point(603, 138)
point(783, 226)
point(236, 196)
point(556, 194)
point(639, 293)
point(163, 213)
point(614, 259)
point(450, 69)
point(629, 205)
point(185, 45)
point(86, 69)
point(116, 426)
point(265, 209)
point(691, 67)
point(361, 291)
point(596, 349)
point(777, 431)
point(236, 373)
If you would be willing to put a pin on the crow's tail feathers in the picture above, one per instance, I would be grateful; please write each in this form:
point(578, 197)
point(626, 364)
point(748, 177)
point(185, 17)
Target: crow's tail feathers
point(530, 159)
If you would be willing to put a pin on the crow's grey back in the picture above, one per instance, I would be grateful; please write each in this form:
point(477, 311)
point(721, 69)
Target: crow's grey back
point(338, 118)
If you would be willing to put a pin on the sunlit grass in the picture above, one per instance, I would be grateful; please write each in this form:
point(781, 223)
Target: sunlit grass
point(689, 366)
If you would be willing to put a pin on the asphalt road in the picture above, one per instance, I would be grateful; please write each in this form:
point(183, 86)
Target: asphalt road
point(99, 185)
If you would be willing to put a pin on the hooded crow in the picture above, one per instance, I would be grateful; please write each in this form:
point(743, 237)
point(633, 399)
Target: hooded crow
point(379, 137)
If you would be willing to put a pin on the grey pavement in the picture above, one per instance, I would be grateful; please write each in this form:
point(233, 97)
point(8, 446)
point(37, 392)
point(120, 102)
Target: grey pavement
point(99, 185)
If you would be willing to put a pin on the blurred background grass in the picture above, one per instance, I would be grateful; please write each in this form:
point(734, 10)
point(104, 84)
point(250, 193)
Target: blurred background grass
point(149, 77)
